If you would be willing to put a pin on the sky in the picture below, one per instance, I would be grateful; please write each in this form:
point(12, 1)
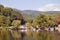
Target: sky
point(40, 5)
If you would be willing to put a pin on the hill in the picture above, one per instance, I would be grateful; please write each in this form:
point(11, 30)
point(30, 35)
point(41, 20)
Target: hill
point(33, 13)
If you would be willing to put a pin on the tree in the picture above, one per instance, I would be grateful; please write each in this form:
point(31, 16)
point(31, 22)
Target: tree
point(2, 20)
point(35, 23)
point(16, 23)
point(29, 20)
point(7, 21)
point(28, 25)
point(44, 20)
point(1, 8)
point(56, 18)
point(7, 11)
point(8, 15)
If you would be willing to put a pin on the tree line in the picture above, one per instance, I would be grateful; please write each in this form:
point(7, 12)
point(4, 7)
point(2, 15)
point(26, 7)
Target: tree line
point(9, 15)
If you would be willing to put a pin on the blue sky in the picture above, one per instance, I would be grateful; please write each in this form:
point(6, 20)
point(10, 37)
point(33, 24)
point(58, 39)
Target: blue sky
point(28, 4)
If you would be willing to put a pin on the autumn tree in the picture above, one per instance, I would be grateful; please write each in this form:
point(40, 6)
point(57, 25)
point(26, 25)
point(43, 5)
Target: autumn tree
point(56, 18)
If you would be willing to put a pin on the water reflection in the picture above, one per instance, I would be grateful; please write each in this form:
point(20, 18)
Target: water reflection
point(6, 34)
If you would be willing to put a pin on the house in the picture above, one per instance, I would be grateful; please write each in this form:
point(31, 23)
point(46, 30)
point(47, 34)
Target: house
point(57, 29)
point(51, 28)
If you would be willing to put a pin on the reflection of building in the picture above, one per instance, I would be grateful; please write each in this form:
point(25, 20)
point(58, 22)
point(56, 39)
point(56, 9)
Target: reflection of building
point(22, 28)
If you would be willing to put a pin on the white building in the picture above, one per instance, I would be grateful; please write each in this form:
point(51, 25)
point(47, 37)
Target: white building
point(51, 28)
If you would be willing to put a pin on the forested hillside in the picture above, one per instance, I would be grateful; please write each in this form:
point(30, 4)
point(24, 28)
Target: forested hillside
point(33, 13)
point(7, 15)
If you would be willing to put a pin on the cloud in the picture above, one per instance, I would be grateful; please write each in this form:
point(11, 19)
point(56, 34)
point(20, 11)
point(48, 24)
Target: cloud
point(50, 7)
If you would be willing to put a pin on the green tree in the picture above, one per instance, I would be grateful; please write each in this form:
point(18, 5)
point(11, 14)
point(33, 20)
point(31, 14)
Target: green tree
point(2, 20)
point(7, 21)
point(44, 20)
point(1, 8)
point(16, 23)
point(28, 19)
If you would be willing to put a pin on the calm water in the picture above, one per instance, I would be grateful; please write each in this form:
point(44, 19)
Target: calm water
point(17, 35)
